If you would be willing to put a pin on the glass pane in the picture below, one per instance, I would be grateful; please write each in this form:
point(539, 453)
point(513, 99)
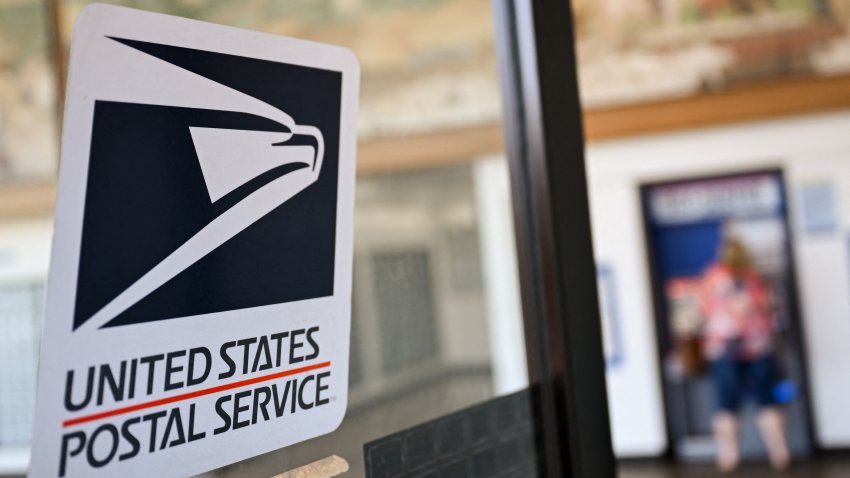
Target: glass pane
point(437, 324)
point(20, 305)
point(28, 136)
point(24, 252)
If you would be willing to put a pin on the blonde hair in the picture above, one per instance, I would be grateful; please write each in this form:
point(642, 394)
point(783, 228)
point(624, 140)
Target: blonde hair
point(735, 256)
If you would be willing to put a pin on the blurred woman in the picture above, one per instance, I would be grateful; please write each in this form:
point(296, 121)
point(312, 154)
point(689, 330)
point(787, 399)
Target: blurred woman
point(739, 342)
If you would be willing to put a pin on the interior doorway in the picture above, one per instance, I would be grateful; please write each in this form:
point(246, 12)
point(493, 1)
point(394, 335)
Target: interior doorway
point(685, 222)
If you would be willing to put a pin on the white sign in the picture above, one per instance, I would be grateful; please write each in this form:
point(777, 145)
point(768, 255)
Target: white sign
point(700, 200)
point(198, 304)
point(818, 211)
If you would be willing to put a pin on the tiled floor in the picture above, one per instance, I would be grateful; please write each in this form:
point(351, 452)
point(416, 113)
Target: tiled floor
point(829, 467)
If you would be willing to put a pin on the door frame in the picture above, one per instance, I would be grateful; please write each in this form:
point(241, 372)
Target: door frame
point(659, 308)
point(544, 142)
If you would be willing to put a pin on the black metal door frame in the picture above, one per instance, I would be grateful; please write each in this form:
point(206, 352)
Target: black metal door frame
point(545, 146)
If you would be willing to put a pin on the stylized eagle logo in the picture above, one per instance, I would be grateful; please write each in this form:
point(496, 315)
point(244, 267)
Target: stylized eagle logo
point(252, 157)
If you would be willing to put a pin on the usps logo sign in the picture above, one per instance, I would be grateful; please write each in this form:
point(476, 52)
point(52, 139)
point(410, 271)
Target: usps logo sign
point(198, 305)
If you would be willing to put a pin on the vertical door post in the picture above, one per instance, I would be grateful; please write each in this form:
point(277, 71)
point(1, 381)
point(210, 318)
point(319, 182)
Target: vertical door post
point(545, 146)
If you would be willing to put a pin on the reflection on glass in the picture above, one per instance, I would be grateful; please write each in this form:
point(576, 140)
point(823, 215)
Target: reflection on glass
point(27, 93)
point(426, 64)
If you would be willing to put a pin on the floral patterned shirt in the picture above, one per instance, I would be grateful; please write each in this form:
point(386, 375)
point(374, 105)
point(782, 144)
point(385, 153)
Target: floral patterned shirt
point(739, 319)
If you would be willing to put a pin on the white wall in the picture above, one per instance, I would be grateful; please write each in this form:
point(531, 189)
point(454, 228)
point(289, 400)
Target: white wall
point(634, 388)
point(810, 150)
point(501, 281)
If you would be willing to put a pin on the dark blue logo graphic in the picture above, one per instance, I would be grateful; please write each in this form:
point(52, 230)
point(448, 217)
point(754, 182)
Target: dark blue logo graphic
point(191, 211)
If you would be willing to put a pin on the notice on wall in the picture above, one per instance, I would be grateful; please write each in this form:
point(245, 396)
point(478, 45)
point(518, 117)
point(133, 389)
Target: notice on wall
point(609, 313)
point(818, 208)
point(198, 303)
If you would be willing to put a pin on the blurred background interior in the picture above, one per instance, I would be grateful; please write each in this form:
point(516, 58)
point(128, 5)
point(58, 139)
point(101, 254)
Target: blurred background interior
point(701, 116)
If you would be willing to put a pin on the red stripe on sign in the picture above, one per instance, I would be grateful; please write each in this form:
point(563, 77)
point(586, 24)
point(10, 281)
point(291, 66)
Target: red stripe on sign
point(195, 394)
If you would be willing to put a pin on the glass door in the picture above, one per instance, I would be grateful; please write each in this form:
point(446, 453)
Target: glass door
point(475, 350)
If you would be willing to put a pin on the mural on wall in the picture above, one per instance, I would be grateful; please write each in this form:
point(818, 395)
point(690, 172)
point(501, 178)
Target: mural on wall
point(430, 65)
point(636, 50)
point(426, 64)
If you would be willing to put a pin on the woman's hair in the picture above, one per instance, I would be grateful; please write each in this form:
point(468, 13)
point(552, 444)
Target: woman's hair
point(734, 255)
